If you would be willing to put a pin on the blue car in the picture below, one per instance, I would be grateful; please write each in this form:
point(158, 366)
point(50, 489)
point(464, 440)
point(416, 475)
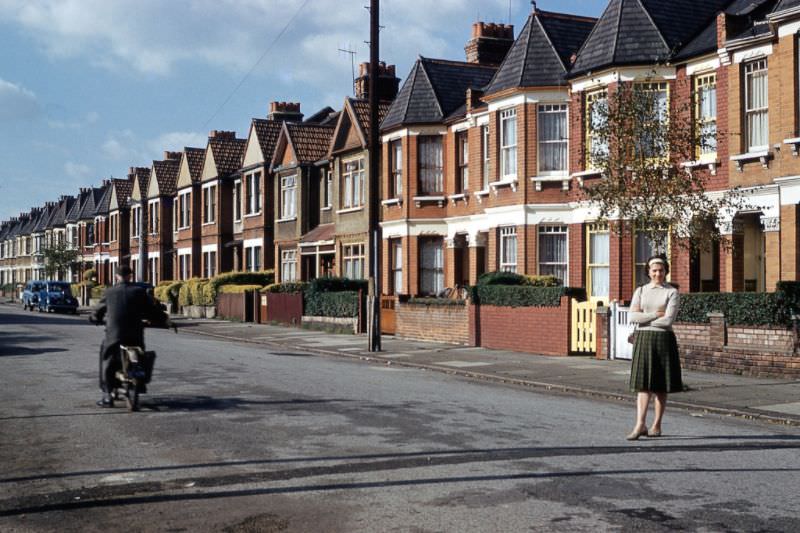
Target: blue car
point(30, 295)
point(57, 296)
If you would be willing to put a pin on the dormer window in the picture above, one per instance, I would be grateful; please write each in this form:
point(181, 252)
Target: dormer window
point(508, 144)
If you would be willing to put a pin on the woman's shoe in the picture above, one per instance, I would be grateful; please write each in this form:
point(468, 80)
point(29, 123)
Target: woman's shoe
point(653, 433)
point(634, 435)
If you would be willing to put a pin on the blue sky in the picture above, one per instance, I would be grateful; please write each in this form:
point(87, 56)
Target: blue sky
point(89, 88)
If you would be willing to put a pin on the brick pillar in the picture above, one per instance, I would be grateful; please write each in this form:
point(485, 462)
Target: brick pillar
point(474, 315)
point(531, 245)
point(717, 334)
point(577, 256)
point(449, 263)
point(790, 252)
point(477, 249)
point(680, 267)
point(616, 259)
point(491, 251)
point(602, 334)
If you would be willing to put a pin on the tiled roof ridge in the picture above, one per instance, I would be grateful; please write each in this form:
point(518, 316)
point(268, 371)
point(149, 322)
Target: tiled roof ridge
point(452, 62)
point(565, 16)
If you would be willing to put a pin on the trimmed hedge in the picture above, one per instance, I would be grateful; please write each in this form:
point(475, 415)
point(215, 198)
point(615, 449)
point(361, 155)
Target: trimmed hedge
point(237, 289)
point(523, 296)
point(543, 281)
point(289, 286)
point(261, 279)
point(739, 308)
point(339, 304)
point(89, 274)
point(501, 278)
point(168, 292)
point(331, 284)
point(191, 292)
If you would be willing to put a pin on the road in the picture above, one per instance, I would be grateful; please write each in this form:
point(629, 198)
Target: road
point(235, 437)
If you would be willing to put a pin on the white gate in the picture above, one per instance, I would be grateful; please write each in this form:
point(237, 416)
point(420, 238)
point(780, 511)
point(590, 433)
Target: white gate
point(620, 329)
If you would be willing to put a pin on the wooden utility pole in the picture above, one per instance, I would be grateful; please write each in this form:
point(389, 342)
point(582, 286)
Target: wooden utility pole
point(374, 300)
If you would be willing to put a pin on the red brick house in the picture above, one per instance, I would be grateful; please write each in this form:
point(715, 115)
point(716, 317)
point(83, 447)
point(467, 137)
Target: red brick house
point(119, 224)
point(138, 221)
point(161, 193)
point(187, 213)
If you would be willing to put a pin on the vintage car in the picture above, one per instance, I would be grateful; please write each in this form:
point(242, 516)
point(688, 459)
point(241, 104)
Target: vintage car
point(57, 296)
point(30, 294)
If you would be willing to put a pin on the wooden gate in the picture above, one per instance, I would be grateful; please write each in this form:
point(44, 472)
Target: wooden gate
point(584, 319)
point(388, 324)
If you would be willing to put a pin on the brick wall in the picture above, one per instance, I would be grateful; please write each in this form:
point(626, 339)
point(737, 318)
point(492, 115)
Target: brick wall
point(439, 323)
point(538, 330)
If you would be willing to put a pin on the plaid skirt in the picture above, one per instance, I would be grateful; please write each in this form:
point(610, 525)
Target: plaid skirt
point(656, 365)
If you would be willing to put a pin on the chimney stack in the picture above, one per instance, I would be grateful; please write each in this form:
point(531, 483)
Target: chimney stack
point(490, 43)
point(388, 82)
point(170, 156)
point(285, 112)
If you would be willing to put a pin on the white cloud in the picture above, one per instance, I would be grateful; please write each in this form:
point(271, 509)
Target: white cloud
point(176, 141)
point(77, 170)
point(91, 118)
point(17, 102)
point(122, 146)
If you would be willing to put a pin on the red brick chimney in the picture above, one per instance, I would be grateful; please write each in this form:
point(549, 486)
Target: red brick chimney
point(490, 43)
point(169, 156)
point(388, 82)
point(220, 134)
point(285, 111)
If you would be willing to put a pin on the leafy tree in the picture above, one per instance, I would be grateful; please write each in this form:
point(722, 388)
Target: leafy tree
point(638, 143)
point(57, 258)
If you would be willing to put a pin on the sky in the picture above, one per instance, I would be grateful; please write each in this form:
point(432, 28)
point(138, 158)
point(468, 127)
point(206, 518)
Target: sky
point(89, 88)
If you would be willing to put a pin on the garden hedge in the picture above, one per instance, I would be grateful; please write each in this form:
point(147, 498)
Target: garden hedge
point(523, 296)
point(237, 289)
point(436, 301)
point(744, 308)
point(261, 279)
point(287, 287)
point(339, 304)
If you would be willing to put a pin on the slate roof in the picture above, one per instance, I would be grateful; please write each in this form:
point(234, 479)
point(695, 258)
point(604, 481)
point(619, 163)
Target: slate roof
point(310, 141)
point(90, 205)
point(195, 158)
point(323, 116)
point(634, 32)
point(435, 89)
point(30, 223)
point(75, 211)
point(267, 132)
point(228, 154)
point(101, 207)
point(60, 215)
point(123, 188)
point(44, 219)
point(783, 5)
point(540, 57)
point(166, 173)
point(752, 16)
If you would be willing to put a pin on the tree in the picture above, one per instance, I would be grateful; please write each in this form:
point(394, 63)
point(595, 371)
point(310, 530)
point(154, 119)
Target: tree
point(639, 146)
point(57, 258)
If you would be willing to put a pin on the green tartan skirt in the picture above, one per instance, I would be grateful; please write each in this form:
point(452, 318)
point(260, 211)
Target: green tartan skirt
point(656, 365)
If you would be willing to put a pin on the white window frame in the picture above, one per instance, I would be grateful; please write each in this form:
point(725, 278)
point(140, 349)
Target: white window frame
point(593, 98)
point(288, 265)
point(508, 145)
point(462, 161)
point(329, 189)
point(433, 173)
point(209, 263)
point(396, 155)
point(237, 200)
point(152, 217)
point(253, 193)
point(486, 156)
point(209, 204)
point(288, 196)
point(754, 72)
point(508, 248)
point(353, 183)
point(547, 230)
point(705, 88)
point(252, 258)
point(436, 272)
point(396, 249)
point(136, 220)
point(546, 110)
point(184, 199)
point(353, 260)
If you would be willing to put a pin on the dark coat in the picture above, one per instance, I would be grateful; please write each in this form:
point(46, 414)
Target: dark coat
point(125, 306)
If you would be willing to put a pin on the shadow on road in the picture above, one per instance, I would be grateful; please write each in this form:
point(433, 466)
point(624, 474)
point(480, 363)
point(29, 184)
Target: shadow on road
point(17, 319)
point(211, 403)
point(17, 344)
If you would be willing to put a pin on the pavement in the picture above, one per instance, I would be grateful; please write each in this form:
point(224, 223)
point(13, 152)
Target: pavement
point(767, 399)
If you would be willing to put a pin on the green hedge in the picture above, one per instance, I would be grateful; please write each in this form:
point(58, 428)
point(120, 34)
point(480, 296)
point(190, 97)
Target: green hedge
point(168, 292)
point(502, 278)
point(289, 286)
point(90, 274)
point(261, 279)
point(523, 296)
point(436, 301)
point(191, 292)
point(98, 292)
point(739, 308)
point(8, 288)
point(237, 289)
point(330, 284)
point(339, 304)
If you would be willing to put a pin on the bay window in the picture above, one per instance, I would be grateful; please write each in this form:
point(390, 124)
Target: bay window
point(508, 249)
point(353, 261)
point(430, 165)
point(353, 183)
point(396, 157)
point(508, 144)
point(756, 100)
point(553, 252)
point(462, 145)
point(253, 191)
point(288, 265)
point(552, 128)
point(431, 266)
point(705, 90)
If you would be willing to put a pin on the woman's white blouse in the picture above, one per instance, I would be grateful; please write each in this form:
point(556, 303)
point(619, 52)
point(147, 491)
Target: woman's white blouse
point(652, 298)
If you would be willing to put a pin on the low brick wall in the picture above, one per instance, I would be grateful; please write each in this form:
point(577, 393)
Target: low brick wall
point(538, 330)
point(429, 322)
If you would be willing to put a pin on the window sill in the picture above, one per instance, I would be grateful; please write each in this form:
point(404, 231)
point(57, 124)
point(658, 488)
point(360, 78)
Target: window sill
point(327, 208)
point(795, 142)
point(464, 197)
point(208, 223)
point(763, 156)
point(513, 182)
point(392, 201)
point(349, 210)
point(711, 164)
point(538, 180)
point(581, 176)
point(251, 215)
point(419, 200)
point(289, 219)
point(479, 195)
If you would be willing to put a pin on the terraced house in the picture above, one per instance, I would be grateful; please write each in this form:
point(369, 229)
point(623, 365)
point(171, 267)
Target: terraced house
point(119, 223)
point(161, 192)
point(188, 213)
point(138, 221)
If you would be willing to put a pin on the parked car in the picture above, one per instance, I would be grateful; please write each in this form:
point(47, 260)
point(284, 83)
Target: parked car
point(57, 296)
point(30, 294)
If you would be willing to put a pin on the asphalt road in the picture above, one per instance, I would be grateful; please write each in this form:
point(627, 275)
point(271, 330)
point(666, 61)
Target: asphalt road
point(235, 437)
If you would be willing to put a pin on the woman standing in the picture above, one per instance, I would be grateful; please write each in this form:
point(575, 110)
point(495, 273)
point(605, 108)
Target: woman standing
point(656, 368)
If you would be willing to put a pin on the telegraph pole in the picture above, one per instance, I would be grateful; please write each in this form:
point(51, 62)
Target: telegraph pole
point(374, 299)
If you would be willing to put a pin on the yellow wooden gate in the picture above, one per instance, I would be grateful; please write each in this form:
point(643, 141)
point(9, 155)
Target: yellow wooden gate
point(584, 315)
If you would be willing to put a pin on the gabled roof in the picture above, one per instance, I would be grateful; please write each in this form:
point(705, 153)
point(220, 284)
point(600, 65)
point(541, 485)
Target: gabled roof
point(749, 19)
point(122, 190)
point(193, 158)
point(60, 216)
point(74, 213)
point(435, 89)
point(101, 207)
point(355, 116)
point(44, 219)
point(90, 205)
point(634, 32)
point(33, 218)
point(785, 5)
point(227, 154)
point(326, 115)
point(309, 142)
point(140, 177)
point(166, 176)
point(540, 57)
point(267, 132)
